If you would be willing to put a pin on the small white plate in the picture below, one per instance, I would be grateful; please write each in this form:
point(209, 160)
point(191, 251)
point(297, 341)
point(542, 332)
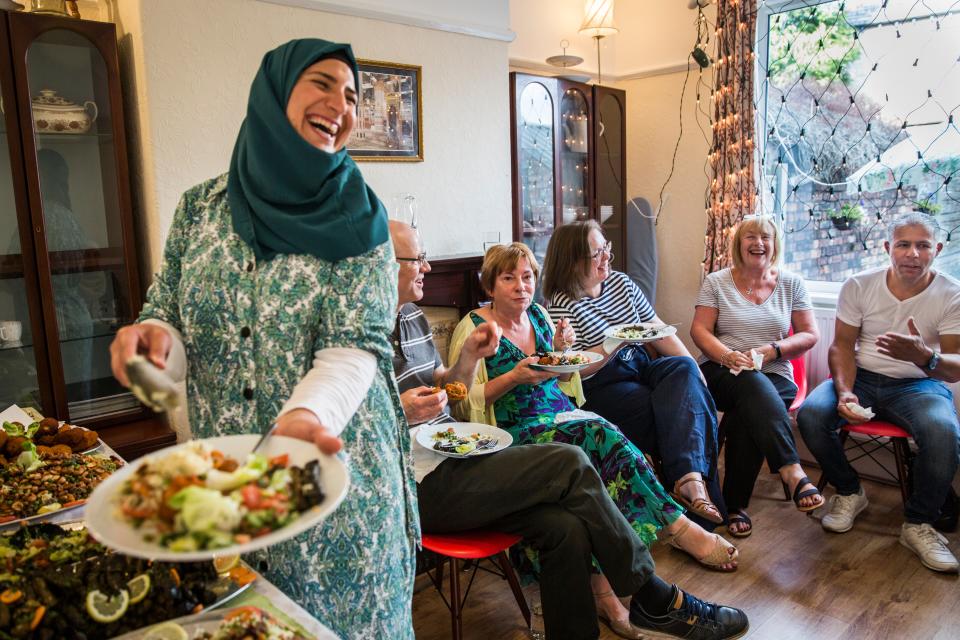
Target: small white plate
point(663, 331)
point(108, 526)
point(425, 437)
point(592, 358)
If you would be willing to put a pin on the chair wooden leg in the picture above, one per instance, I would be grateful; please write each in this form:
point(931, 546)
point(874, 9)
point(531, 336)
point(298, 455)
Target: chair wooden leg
point(511, 577)
point(455, 599)
point(441, 563)
point(901, 450)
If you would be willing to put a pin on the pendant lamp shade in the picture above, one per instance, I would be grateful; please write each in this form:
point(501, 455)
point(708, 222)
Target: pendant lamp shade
point(598, 19)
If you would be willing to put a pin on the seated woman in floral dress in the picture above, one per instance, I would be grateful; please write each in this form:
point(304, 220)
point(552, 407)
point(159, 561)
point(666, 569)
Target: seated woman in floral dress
point(530, 405)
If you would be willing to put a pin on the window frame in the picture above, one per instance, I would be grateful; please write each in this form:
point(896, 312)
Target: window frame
point(823, 293)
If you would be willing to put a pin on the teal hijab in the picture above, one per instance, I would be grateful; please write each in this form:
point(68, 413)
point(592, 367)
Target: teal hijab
point(287, 196)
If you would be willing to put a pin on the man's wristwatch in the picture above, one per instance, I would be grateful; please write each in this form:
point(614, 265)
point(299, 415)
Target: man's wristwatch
point(933, 361)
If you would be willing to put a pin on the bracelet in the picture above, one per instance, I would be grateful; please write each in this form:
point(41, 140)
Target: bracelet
point(724, 357)
point(777, 349)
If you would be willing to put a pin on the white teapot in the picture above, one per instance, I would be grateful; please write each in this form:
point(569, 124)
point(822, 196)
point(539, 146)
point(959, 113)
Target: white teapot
point(53, 113)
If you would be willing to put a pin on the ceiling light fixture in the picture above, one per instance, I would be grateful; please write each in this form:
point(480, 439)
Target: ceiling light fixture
point(598, 24)
point(564, 60)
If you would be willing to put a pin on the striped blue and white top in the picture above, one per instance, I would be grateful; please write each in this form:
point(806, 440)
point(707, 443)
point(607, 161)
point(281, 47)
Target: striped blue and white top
point(620, 302)
point(743, 325)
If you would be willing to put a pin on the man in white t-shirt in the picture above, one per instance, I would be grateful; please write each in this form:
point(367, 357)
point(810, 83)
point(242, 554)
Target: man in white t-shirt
point(897, 342)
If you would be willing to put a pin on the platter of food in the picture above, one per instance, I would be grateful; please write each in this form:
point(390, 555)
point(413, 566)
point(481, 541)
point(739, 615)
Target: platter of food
point(642, 332)
point(208, 498)
point(47, 468)
point(59, 582)
point(463, 439)
point(559, 362)
point(239, 623)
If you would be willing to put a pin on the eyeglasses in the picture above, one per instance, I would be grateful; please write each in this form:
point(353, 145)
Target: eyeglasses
point(605, 250)
point(421, 259)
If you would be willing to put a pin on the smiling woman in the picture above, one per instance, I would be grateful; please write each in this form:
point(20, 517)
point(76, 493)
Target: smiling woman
point(280, 285)
point(747, 312)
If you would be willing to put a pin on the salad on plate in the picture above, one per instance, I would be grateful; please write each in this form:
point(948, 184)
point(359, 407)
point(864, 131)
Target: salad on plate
point(197, 498)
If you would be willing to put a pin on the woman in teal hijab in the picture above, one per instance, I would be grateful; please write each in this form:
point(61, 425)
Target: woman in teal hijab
point(278, 285)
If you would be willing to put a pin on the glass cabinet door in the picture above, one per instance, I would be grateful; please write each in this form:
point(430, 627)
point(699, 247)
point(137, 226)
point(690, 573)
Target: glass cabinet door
point(574, 156)
point(83, 235)
point(610, 170)
point(535, 135)
point(22, 357)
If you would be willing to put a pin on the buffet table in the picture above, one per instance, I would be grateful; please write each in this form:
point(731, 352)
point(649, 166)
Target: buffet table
point(262, 594)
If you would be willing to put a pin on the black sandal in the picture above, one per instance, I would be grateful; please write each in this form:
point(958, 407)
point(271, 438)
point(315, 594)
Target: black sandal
point(800, 495)
point(739, 517)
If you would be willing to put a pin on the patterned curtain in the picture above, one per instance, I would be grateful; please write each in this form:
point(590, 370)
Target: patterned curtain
point(733, 187)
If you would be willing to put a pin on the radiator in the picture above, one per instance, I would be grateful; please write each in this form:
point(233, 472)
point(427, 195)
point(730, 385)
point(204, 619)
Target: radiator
point(818, 369)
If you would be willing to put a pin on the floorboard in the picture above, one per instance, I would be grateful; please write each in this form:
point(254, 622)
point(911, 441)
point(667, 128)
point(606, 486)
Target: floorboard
point(796, 581)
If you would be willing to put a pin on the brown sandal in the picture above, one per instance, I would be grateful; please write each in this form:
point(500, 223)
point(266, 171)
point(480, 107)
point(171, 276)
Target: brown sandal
point(703, 508)
point(720, 554)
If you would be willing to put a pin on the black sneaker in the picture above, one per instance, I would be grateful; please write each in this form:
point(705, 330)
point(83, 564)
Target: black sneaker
point(695, 619)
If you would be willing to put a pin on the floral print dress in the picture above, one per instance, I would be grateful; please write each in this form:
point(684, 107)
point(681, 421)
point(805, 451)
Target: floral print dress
point(528, 413)
point(250, 330)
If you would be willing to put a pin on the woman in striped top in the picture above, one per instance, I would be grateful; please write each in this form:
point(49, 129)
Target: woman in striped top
point(661, 404)
point(751, 307)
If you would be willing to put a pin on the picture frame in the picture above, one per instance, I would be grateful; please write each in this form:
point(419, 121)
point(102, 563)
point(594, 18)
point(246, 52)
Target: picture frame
point(389, 113)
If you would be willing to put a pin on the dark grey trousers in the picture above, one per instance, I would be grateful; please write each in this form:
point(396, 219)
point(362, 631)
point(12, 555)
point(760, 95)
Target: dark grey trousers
point(551, 495)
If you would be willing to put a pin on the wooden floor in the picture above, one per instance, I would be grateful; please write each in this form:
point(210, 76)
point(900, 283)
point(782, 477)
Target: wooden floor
point(796, 581)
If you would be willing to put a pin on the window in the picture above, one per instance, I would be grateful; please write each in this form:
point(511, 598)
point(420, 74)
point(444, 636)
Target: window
point(858, 107)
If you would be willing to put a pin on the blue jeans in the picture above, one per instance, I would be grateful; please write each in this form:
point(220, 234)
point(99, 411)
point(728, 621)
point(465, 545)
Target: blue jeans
point(923, 407)
point(662, 406)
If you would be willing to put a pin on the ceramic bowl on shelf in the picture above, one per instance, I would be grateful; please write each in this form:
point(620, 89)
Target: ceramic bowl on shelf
point(52, 113)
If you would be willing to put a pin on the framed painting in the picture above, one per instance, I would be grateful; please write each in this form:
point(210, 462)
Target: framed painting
point(389, 114)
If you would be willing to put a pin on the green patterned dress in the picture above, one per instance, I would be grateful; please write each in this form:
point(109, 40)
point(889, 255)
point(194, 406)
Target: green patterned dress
point(529, 411)
point(250, 330)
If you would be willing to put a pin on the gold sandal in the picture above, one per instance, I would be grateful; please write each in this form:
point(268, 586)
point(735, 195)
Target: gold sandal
point(703, 508)
point(622, 628)
point(718, 556)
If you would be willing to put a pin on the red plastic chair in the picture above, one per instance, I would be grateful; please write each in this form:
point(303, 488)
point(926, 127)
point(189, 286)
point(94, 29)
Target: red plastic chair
point(472, 545)
point(882, 435)
point(799, 379)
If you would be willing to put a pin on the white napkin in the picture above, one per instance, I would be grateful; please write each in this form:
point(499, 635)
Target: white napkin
point(757, 363)
point(576, 414)
point(13, 413)
point(862, 412)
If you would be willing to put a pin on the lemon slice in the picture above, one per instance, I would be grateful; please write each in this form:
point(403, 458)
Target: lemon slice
point(103, 608)
point(138, 588)
point(223, 564)
point(166, 631)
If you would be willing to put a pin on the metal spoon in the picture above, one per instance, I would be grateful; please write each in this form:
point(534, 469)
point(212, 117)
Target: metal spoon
point(151, 385)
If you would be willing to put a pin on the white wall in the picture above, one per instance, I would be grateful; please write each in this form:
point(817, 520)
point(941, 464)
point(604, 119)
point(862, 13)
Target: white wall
point(653, 124)
point(188, 67)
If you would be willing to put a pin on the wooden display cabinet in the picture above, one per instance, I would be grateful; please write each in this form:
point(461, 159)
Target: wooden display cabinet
point(68, 266)
point(568, 159)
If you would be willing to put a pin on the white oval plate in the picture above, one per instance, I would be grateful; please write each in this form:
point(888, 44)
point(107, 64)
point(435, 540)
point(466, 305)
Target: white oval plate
point(425, 437)
point(592, 358)
point(664, 331)
point(209, 621)
point(109, 527)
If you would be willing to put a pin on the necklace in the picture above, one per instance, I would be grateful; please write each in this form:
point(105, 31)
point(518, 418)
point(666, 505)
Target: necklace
point(749, 290)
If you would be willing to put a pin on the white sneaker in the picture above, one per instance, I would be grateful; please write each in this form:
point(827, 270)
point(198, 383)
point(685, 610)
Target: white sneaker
point(843, 510)
point(927, 543)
